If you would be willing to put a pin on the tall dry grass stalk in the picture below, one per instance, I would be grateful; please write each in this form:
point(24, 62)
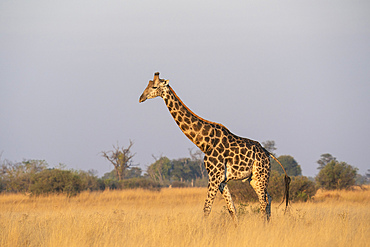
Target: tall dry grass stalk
point(173, 217)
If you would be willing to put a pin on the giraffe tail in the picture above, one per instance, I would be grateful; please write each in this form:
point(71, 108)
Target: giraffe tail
point(287, 180)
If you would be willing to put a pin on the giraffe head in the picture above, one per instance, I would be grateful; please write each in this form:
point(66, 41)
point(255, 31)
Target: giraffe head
point(154, 88)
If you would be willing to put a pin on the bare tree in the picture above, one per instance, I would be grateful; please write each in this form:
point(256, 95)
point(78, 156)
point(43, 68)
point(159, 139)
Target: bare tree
point(269, 146)
point(121, 158)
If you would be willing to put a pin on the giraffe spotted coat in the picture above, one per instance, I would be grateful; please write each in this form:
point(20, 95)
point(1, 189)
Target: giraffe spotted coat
point(227, 156)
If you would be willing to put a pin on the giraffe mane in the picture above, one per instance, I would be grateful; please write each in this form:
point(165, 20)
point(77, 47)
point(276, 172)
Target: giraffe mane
point(187, 108)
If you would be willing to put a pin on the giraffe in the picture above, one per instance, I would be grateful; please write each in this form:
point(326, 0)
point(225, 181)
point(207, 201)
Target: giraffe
point(226, 156)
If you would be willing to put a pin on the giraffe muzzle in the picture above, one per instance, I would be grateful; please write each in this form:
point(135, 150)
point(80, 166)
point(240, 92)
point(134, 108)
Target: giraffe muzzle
point(142, 98)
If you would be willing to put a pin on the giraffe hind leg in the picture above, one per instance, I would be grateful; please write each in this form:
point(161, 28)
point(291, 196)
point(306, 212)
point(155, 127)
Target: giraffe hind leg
point(263, 197)
point(268, 207)
point(259, 182)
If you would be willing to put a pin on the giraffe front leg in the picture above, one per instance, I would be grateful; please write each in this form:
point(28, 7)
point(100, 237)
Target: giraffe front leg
point(224, 189)
point(213, 185)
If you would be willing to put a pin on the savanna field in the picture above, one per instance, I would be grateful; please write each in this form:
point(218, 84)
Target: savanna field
point(174, 217)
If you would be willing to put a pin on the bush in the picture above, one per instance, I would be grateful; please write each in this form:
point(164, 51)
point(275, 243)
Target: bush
point(55, 181)
point(201, 182)
point(2, 185)
point(16, 177)
point(111, 184)
point(89, 181)
point(302, 189)
point(133, 183)
point(336, 175)
point(242, 192)
point(178, 184)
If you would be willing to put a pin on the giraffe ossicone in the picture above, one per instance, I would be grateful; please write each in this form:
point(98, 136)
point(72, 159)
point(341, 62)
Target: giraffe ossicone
point(226, 156)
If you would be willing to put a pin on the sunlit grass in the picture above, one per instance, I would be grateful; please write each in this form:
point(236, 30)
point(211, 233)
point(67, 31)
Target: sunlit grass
point(173, 217)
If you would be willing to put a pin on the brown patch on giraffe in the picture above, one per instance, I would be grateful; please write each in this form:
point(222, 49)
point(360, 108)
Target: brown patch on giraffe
point(220, 158)
point(184, 127)
point(205, 131)
point(216, 141)
point(220, 148)
point(224, 140)
point(187, 120)
point(234, 150)
point(197, 126)
point(218, 133)
point(199, 138)
point(192, 134)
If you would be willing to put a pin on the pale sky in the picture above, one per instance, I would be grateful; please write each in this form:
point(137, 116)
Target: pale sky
point(71, 73)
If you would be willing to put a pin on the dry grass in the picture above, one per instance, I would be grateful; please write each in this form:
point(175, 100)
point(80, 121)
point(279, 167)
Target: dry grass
point(173, 217)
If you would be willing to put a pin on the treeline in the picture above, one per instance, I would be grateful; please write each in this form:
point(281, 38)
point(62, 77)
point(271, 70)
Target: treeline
point(34, 177)
point(182, 172)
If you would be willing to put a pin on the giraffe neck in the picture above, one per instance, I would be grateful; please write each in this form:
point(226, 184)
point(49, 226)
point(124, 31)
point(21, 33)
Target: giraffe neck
point(197, 129)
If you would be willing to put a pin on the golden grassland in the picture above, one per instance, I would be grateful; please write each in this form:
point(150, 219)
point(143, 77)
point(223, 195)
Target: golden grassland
point(174, 217)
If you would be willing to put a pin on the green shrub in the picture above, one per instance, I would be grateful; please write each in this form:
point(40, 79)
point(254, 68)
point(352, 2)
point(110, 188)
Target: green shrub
point(242, 192)
point(178, 184)
point(302, 189)
point(336, 176)
point(111, 184)
point(2, 185)
point(201, 182)
point(55, 181)
point(133, 183)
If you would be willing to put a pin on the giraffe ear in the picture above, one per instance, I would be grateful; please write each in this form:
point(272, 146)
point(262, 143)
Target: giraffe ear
point(166, 82)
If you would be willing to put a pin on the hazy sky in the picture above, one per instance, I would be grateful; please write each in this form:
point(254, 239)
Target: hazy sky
point(71, 73)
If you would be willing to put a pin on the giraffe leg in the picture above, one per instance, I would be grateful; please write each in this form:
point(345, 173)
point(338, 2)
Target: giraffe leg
point(212, 191)
point(259, 182)
point(263, 197)
point(268, 207)
point(224, 189)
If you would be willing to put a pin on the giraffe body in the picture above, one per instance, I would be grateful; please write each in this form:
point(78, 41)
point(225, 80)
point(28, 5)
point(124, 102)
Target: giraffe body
point(227, 156)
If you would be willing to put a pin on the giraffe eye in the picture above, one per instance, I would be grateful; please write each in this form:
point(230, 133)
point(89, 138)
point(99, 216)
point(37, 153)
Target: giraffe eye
point(154, 87)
